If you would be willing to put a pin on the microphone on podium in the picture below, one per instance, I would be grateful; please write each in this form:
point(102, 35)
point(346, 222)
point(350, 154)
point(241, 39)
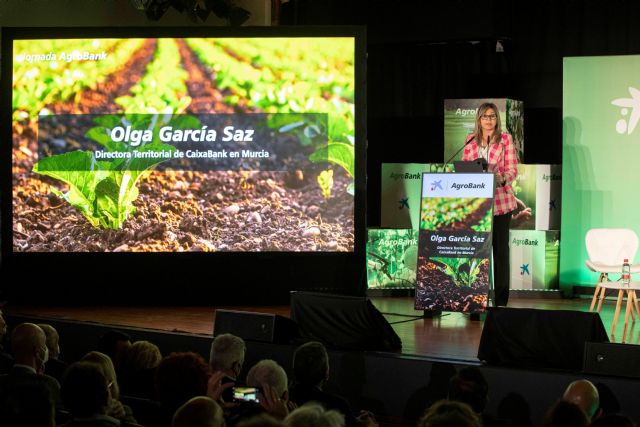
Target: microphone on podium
point(458, 152)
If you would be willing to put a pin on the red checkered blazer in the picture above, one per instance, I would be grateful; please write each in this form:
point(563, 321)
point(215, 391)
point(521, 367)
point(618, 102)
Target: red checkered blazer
point(502, 159)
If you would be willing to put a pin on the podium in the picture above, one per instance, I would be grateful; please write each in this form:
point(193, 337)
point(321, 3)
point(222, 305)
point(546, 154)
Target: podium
point(454, 243)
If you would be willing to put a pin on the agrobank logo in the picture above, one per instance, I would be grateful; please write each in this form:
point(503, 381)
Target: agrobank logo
point(628, 124)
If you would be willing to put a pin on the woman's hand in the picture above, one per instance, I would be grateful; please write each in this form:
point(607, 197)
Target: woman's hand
point(366, 419)
point(272, 403)
point(522, 212)
point(115, 409)
point(215, 388)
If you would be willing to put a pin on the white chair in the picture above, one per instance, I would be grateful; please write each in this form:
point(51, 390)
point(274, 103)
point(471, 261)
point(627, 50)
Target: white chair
point(607, 249)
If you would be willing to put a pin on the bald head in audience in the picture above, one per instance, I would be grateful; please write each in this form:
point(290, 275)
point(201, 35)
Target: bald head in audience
point(29, 346)
point(583, 394)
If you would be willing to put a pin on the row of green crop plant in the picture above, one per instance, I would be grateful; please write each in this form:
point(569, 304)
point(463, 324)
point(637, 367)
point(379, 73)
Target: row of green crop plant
point(328, 62)
point(312, 50)
point(105, 191)
point(163, 87)
point(41, 83)
point(278, 92)
point(446, 212)
point(283, 85)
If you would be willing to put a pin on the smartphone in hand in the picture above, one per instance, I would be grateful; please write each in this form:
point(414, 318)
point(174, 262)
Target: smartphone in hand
point(245, 394)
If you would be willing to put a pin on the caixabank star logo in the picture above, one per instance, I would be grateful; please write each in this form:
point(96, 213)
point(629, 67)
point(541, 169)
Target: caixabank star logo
point(630, 110)
point(436, 185)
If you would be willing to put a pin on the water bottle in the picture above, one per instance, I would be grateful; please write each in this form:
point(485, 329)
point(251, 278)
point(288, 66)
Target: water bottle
point(625, 276)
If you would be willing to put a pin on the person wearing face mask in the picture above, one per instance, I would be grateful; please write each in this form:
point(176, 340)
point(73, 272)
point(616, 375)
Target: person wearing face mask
point(54, 366)
point(30, 354)
point(496, 147)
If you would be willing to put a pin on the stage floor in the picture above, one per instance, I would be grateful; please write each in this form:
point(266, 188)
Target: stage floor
point(450, 337)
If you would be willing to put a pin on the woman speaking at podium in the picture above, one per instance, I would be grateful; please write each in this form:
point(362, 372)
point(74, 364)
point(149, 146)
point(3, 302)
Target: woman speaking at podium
point(496, 147)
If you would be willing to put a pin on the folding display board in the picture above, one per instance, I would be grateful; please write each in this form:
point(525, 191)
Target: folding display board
point(400, 194)
point(391, 258)
point(537, 189)
point(534, 259)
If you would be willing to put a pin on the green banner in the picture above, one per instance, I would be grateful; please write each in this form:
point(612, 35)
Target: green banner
point(601, 148)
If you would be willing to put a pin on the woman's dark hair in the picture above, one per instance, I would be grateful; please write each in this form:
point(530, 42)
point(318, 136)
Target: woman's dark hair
point(470, 386)
point(565, 414)
point(85, 391)
point(613, 420)
point(108, 342)
point(448, 413)
point(179, 377)
point(310, 363)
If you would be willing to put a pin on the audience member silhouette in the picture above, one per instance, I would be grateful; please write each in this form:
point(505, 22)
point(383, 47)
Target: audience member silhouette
point(199, 411)
point(351, 383)
point(138, 369)
point(435, 390)
point(6, 361)
point(30, 354)
point(515, 409)
point(584, 395)
point(565, 414)
point(273, 397)
point(227, 355)
point(446, 413)
point(115, 409)
point(180, 377)
point(54, 366)
point(85, 394)
point(609, 403)
point(262, 420)
point(115, 345)
point(471, 387)
point(28, 405)
point(314, 414)
point(613, 420)
point(311, 371)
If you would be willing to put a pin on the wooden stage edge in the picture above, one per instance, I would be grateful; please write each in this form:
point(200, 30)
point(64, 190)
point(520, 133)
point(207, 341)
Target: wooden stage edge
point(452, 337)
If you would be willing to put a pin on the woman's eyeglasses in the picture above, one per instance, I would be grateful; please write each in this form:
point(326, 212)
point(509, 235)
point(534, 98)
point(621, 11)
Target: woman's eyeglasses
point(488, 117)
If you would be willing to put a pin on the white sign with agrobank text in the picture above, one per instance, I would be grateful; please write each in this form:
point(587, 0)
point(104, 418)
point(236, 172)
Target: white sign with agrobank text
point(457, 185)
